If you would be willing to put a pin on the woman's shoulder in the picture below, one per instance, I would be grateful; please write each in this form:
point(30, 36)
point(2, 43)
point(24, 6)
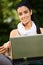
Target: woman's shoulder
point(14, 33)
point(41, 29)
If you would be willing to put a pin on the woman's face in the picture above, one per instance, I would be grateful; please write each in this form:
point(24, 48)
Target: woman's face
point(24, 14)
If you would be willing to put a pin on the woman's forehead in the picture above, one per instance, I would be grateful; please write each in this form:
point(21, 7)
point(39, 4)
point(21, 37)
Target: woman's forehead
point(22, 8)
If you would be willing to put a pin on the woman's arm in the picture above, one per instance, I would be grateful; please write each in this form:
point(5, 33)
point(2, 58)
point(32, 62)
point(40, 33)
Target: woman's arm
point(7, 46)
point(41, 30)
point(13, 33)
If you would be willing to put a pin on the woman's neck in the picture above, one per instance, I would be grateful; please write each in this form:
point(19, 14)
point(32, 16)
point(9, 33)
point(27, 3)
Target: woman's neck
point(28, 25)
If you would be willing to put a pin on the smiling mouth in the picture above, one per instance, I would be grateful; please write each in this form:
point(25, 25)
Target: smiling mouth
point(24, 19)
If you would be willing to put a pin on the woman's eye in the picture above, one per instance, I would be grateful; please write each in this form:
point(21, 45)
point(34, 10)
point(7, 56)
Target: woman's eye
point(25, 12)
point(20, 14)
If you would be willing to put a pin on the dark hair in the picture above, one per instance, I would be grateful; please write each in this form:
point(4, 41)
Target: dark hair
point(33, 17)
point(28, 5)
point(23, 3)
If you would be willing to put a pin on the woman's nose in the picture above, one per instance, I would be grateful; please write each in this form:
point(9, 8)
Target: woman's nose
point(23, 15)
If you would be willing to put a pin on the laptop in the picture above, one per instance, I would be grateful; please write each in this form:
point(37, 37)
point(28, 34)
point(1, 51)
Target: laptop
point(27, 46)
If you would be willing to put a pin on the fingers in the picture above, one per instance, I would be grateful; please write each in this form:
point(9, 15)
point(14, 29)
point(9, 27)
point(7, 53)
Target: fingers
point(3, 50)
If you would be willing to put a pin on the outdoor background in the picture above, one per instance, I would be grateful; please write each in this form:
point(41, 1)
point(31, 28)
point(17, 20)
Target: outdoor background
point(9, 18)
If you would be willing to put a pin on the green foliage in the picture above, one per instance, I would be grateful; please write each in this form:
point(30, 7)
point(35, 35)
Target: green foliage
point(8, 19)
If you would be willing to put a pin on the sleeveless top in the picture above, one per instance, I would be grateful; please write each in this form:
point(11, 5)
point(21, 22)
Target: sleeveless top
point(31, 31)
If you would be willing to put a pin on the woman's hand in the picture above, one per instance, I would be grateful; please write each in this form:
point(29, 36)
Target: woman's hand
point(3, 50)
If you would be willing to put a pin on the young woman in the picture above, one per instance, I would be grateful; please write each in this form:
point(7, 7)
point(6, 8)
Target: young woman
point(27, 25)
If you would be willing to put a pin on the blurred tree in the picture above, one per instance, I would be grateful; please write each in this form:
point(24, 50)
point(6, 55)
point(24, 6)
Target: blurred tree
point(8, 19)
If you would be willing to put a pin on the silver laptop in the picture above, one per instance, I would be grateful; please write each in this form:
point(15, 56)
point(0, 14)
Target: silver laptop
point(27, 46)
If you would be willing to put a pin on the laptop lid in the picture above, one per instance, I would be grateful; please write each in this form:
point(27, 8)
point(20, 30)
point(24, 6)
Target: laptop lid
point(27, 46)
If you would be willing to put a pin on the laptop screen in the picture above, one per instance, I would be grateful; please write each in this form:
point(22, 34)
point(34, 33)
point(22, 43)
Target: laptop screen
point(27, 46)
